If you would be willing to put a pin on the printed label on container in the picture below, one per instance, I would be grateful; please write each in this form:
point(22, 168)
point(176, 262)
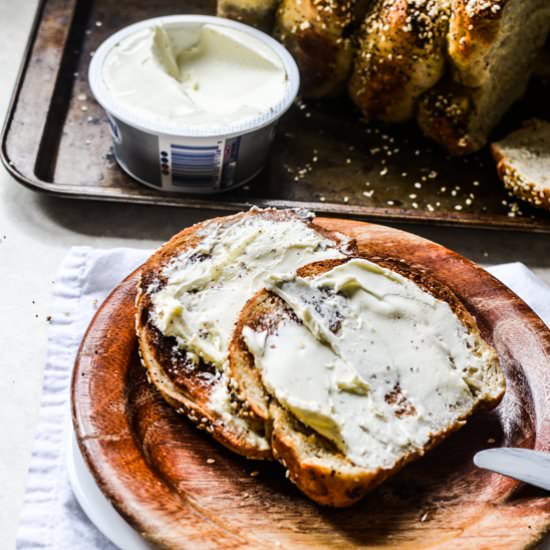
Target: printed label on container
point(191, 163)
point(198, 164)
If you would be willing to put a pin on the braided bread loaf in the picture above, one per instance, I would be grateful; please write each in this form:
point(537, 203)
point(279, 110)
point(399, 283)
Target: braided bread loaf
point(454, 65)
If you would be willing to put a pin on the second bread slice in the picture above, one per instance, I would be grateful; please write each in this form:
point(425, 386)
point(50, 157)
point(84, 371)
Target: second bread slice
point(352, 397)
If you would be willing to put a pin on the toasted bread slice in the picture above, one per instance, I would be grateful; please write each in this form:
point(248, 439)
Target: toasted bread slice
point(184, 348)
point(401, 55)
point(316, 463)
point(523, 162)
point(492, 50)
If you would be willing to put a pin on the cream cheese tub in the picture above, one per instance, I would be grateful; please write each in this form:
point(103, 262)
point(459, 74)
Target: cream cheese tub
point(192, 100)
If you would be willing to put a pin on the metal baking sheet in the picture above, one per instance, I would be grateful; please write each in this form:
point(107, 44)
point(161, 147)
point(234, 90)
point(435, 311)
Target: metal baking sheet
point(325, 157)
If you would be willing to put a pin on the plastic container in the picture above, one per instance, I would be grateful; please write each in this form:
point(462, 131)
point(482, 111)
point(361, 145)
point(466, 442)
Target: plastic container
point(165, 157)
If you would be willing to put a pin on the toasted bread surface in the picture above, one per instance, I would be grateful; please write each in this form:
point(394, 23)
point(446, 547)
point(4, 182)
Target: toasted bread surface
point(313, 462)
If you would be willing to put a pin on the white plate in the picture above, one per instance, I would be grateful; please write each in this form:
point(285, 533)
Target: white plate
point(94, 503)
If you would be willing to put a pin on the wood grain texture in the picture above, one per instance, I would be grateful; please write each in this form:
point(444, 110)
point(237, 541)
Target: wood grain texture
point(154, 465)
point(57, 140)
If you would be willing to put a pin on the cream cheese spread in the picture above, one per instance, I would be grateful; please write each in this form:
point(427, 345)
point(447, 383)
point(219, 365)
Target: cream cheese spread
point(207, 285)
point(194, 75)
point(377, 365)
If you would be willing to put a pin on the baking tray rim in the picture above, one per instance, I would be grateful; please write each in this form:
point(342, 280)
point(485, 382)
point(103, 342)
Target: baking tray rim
point(376, 214)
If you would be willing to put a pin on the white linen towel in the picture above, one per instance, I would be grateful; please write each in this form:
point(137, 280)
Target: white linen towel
point(51, 517)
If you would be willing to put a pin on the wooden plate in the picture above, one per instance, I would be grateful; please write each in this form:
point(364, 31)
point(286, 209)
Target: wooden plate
point(180, 489)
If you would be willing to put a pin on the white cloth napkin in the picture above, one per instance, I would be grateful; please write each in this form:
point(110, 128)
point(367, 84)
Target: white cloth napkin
point(51, 517)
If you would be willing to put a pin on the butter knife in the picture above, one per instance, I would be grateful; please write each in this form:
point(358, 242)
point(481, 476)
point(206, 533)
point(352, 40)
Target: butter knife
point(526, 465)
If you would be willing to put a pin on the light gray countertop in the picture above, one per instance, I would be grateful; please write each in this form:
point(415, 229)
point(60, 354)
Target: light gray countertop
point(36, 232)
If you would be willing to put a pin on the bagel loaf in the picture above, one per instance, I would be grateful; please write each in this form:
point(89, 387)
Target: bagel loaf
point(456, 66)
point(359, 368)
point(189, 298)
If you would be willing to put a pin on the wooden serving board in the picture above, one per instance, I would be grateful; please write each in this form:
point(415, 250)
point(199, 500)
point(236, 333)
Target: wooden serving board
point(181, 489)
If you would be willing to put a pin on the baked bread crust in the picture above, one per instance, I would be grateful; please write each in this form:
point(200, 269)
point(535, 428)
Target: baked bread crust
point(314, 464)
point(401, 55)
point(318, 34)
point(519, 155)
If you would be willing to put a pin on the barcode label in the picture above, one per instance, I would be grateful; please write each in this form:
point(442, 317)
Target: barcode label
point(191, 165)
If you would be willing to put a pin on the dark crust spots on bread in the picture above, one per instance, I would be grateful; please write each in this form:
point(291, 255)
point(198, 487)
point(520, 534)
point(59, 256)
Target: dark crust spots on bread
point(270, 315)
point(402, 406)
point(181, 370)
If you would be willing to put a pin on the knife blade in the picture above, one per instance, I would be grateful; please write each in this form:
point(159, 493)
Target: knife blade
point(525, 465)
